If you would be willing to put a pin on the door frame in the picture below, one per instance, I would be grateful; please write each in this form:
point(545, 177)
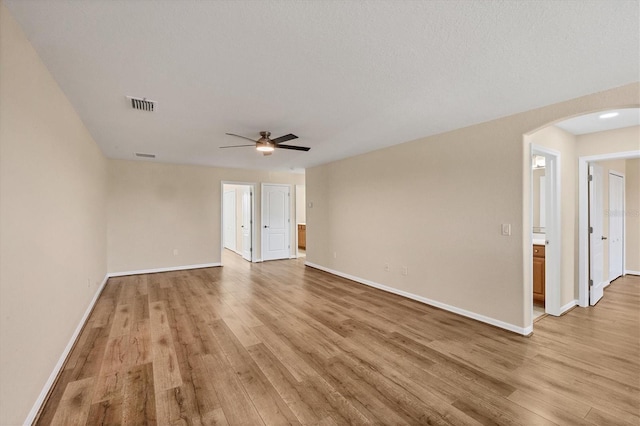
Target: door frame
point(553, 230)
point(291, 231)
point(624, 223)
point(583, 217)
point(252, 188)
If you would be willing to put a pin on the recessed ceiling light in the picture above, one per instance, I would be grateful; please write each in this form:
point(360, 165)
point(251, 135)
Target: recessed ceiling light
point(610, 115)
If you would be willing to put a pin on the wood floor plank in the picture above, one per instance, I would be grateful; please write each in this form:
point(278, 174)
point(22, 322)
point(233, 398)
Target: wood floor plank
point(75, 403)
point(281, 343)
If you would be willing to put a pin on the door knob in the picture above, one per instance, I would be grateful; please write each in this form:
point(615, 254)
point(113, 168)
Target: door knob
point(604, 238)
point(266, 226)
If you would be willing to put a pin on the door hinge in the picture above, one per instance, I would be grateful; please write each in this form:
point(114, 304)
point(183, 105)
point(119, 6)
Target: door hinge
point(590, 178)
point(591, 229)
point(250, 249)
point(591, 283)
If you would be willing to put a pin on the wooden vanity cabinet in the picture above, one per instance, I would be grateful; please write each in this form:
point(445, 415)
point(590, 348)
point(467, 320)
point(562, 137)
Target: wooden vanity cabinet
point(538, 273)
point(302, 236)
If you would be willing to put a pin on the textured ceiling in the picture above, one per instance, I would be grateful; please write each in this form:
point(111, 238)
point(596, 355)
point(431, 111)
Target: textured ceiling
point(346, 76)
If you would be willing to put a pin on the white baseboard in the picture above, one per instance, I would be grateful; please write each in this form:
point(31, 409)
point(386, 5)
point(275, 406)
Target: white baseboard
point(169, 269)
point(525, 331)
point(56, 370)
point(630, 272)
point(606, 284)
point(568, 306)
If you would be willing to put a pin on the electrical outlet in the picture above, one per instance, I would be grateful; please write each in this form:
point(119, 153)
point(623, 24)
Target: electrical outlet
point(405, 270)
point(175, 252)
point(335, 255)
point(88, 282)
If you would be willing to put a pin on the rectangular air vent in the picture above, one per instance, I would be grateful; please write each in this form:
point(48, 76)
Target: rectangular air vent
point(140, 154)
point(142, 104)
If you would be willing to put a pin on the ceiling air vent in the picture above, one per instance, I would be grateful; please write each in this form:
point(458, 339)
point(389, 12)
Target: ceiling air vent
point(140, 154)
point(142, 104)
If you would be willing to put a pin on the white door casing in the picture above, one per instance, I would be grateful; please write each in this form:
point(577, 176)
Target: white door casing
point(229, 219)
point(596, 237)
point(246, 223)
point(275, 221)
point(616, 226)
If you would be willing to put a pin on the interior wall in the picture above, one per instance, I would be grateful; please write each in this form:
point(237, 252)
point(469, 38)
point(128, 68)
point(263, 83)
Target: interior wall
point(301, 204)
point(52, 222)
point(436, 206)
point(632, 210)
point(564, 142)
point(155, 208)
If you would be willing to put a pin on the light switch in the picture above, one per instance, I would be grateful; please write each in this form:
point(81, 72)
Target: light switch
point(310, 204)
point(506, 229)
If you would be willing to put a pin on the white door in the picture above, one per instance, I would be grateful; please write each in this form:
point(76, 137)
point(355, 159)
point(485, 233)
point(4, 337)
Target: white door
point(616, 226)
point(246, 223)
point(275, 222)
point(596, 238)
point(229, 219)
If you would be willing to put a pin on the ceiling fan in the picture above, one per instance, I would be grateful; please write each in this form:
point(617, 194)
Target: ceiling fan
point(266, 145)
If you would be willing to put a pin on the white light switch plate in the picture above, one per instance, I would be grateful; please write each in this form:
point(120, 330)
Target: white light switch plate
point(506, 229)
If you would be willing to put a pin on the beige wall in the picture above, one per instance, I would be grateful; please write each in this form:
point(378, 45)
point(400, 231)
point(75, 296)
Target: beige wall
point(619, 140)
point(632, 209)
point(52, 222)
point(154, 208)
point(564, 142)
point(436, 205)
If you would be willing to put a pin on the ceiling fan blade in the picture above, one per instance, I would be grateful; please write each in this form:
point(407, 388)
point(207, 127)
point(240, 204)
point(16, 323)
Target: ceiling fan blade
point(239, 136)
point(236, 146)
point(284, 138)
point(297, 148)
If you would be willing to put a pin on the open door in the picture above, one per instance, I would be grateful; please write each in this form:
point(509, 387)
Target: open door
point(275, 221)
point(247, 197)
point(596, 246)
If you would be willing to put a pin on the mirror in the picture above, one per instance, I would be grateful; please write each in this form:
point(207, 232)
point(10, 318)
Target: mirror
point(538, 194)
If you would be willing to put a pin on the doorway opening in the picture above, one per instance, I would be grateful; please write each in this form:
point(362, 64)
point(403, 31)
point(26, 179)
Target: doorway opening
point(545, 243)
point(238, 219)
point(601, 224)
point(301, 222)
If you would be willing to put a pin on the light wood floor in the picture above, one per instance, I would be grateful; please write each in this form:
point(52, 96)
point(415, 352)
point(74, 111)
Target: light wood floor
point(279, 343)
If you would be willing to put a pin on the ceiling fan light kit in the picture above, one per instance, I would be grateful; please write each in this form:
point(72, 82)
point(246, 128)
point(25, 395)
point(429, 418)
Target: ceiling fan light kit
point(266, 145)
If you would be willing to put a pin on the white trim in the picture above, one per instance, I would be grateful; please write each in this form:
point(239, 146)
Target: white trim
point(168, 269)
point(568, 306)
point(63, 358)
point(630, 272)
point(606, 284)
point(501, 324)
point(583, 218)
